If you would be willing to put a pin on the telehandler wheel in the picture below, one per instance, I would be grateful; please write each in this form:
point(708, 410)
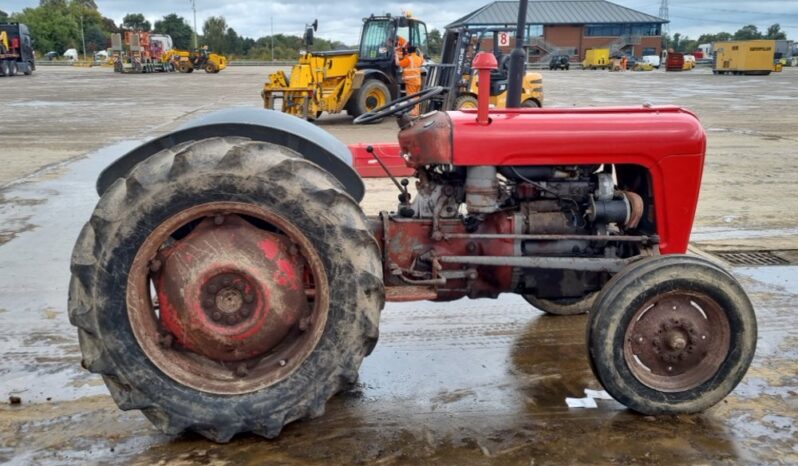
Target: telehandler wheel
point(466, 102)
point(210, 68)
point(372, 94)
point(226, 286)
point(563, 307)
point(671, 334)
point(530, 103)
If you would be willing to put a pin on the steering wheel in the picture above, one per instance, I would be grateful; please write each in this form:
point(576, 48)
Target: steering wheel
point(402, 105)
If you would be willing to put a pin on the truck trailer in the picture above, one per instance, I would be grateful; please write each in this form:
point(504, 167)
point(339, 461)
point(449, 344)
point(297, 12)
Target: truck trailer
point(16, 51)
point(744, 57)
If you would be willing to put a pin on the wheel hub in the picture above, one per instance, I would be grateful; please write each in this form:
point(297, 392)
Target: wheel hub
point(677, 342)
point(230, 291)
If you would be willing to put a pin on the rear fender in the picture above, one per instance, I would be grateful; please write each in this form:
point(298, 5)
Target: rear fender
point(310, 141)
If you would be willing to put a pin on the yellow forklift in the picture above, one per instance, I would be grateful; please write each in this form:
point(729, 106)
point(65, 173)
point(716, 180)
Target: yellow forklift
point(454, 73)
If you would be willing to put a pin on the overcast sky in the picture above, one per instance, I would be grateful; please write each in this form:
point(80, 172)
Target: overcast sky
point(341, 20)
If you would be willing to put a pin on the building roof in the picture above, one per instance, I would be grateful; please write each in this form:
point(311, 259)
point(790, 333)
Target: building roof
point(556, 12)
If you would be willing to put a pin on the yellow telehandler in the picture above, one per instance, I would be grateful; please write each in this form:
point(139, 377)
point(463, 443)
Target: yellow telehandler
point(186, 62)
point(357, 81)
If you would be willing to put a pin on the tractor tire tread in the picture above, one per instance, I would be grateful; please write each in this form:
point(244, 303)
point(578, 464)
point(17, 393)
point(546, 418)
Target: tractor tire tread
point(352, 263)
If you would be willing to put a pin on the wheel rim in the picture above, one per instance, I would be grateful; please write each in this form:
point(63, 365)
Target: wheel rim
point(243, 298)
point(468, 104)
point(375, 98)
point(677, 341)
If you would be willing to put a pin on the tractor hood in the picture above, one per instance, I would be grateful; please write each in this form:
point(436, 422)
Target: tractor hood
point(310, 141)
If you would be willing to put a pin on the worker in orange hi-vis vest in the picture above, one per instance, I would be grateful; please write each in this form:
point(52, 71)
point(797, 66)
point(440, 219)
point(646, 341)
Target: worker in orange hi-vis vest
point(411, 65)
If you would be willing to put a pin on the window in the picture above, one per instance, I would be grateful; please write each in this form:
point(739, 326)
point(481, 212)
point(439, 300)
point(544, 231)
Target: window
point(614, 30)
point(377, 41)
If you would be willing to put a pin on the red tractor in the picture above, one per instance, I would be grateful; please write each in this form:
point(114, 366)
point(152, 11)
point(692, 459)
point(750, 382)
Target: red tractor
point(228, 280)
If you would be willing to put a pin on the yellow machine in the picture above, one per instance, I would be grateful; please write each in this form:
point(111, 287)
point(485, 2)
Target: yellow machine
point(689, 62)
point(744, 57)
point(187, 62)
point(531, 94)
point(320, 82)
point(641, 66)
point(596, 59)
point(357, 81)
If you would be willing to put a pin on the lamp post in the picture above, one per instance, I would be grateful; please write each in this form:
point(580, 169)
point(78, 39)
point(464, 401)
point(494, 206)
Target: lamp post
point(194, 7)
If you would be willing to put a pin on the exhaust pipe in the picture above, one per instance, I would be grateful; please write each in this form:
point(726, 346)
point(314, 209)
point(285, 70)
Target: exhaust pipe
point(517, 60)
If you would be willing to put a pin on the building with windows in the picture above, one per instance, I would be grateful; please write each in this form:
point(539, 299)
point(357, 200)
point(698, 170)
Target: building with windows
point(571, 27)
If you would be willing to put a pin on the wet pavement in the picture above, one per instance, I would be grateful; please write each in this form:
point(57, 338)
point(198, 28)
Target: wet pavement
point(468, 382)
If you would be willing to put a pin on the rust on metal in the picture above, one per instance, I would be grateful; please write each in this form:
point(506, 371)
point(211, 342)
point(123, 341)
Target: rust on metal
point(428, 142)
point(401, 294)
point(232, 297)
point(677, 341)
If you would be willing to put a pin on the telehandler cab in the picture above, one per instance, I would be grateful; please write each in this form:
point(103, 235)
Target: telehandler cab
point(228, 280)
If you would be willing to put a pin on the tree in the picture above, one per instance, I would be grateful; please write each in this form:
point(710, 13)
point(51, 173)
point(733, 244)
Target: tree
point(213, 32)
point(748, 32)
point(435, 43)
point(177, 27)
point(710, 38)
point(52, 26)
point(136, 22)
point(775, 33)
point(3, 17)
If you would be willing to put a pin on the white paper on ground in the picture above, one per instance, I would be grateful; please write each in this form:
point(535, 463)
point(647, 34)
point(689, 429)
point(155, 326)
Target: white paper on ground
point(581, 402)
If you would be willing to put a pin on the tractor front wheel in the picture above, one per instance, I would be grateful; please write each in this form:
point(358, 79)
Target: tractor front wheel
point(210, 68)
point(671, 334)
point(224, 286)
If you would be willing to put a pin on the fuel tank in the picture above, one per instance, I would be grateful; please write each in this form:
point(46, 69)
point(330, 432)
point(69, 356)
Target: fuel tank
point(580, 136)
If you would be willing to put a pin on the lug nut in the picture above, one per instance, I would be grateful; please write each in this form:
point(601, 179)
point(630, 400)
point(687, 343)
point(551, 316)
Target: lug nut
point(218, 220)
point(167, 340)
point(213, 288)
point(155, 265)
point(245, 312)
point(239, 286)
point(242, 370)
point(282, 362)
point(216, 316)
point(231, 320)
point(304, 324)
point(249, 298)
point(208, 303)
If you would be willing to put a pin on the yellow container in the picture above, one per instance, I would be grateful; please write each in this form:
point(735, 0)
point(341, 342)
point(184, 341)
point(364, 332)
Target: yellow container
point(744, 56)
point(596, 59)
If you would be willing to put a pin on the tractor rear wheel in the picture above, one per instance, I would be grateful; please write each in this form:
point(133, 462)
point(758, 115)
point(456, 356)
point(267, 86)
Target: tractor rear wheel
point(226, 286)
point(563, 307)
point(371, 95)
point(671, 334)
point(210, 68)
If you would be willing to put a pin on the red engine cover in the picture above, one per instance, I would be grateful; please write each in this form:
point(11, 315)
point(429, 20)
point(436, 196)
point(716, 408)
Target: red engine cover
point(668, 141)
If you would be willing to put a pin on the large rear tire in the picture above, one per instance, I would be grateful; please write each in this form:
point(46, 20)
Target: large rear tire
point(210, 187)
point(671, 334)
